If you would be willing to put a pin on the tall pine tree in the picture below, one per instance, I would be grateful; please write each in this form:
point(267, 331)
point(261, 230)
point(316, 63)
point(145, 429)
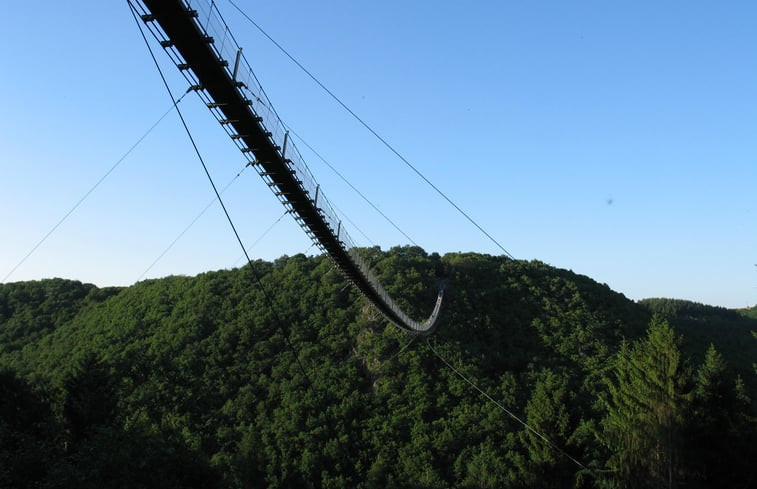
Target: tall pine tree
point(722, 435)
point(648, 398)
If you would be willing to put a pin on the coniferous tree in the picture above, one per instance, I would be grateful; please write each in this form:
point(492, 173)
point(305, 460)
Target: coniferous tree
point(721, 432)
point(89, 399)
point(548, 415)
point(647, 401)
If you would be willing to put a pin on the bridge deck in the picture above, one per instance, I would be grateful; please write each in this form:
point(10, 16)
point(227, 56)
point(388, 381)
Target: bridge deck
point(231, 91)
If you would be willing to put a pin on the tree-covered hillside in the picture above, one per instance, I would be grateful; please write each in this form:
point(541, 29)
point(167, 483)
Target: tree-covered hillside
point(750, 312)
point(211, 381)
point(729, 330)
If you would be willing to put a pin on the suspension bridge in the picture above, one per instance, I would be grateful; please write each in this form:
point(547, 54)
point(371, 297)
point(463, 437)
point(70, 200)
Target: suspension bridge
point(199, 43)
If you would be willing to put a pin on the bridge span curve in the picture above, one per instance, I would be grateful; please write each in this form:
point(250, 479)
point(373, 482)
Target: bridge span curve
point(197, 39)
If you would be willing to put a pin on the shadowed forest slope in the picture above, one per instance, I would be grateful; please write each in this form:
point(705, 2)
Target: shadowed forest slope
point(208, 382)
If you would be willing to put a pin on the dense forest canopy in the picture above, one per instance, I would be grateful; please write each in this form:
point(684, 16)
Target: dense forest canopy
point(202, 382)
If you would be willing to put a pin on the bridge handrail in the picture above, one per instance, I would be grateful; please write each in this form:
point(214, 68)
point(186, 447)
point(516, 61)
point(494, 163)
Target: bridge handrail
point(210, 21)
point(230, 55)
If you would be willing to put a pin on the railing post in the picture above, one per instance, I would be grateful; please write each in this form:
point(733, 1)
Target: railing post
point(236, 64)
point(284, 147)
point(317, 189)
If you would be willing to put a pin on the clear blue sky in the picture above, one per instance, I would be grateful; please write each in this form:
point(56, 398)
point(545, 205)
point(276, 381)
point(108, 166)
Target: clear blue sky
point(616, 139)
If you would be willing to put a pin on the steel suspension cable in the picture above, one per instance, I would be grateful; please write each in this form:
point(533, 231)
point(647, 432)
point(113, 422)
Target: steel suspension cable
point(352, 223)
point(97, 184)
point(372, 131)
point(263, 235)
point(197, 217)
point(318, 155)
point(503, 408)
point(264, 291)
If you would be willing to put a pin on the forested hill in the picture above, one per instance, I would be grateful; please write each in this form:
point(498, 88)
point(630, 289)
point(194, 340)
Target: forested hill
point(208, 381)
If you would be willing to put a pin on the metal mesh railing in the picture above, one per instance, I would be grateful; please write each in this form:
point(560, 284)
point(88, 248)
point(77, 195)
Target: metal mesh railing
point(226, 48)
